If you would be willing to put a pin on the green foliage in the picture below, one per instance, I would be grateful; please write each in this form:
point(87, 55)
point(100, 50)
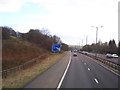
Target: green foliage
point(7, 32)
point(64, 47)
point(112, 46)
point(87, 48)
point(102, 47)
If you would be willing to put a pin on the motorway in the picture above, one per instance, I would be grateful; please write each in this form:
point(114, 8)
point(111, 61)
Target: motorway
point(83, 72)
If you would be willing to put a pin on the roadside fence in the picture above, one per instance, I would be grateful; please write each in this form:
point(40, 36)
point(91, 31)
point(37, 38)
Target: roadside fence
point(13, 70)
point(114, 65)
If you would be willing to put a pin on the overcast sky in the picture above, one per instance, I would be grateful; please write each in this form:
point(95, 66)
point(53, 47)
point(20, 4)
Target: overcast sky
point(71, 20)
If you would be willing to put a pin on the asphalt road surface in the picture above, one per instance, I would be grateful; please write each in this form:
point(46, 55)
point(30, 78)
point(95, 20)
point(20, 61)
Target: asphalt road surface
point(50, 78)
point(85, 73)
point(115, 60)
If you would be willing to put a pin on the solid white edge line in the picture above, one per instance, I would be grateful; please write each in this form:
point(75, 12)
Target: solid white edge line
point(60, 83)
point(96, 80)
point(110, 70)
point(107, 68)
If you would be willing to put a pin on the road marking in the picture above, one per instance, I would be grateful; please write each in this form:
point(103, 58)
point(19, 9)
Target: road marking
point(107, 68)
point(96, 80)
point(88, 69)
point(60, 83)
point(111, 70)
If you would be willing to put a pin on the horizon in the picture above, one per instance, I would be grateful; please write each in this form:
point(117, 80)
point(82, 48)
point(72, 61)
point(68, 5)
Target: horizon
point(78, 45)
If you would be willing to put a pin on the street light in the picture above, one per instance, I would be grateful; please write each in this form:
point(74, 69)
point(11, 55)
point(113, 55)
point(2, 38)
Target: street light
point(97, 32)
point(97, 36)
point(81, 42)
point(86, 39)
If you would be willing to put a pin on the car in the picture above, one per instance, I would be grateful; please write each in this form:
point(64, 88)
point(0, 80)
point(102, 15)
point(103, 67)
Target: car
point(74, 54)
point(111, 55)
point(75, 50)
point(108, 55)
point(114, 55)
point(84, 52)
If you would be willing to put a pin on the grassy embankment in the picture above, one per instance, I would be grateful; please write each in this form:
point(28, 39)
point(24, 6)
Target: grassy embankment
point(16, 52)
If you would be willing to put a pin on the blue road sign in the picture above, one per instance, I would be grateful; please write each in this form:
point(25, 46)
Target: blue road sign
point(56, 48)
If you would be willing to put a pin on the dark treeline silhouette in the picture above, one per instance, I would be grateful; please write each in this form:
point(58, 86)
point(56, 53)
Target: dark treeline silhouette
point(112, 48)
point(41, 38)
point(103, 48)
point(119, 48)
point(7, 32)
point(64, 47)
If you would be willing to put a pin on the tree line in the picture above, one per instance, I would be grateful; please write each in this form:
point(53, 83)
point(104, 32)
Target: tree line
point(103, 48)
point(41, 38)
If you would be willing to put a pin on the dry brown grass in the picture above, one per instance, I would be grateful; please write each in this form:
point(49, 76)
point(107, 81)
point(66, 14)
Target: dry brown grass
point(16, 52)
point(19, 79)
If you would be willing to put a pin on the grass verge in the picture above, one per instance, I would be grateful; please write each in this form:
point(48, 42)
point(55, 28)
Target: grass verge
point(21, 78)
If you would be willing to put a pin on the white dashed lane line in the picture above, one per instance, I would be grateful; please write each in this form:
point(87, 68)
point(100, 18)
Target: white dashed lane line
point(88, 69)
point(96, 80)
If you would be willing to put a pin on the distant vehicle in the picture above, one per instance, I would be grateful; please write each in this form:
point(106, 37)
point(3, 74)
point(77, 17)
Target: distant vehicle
point(74, 54)
point(114, 55)
point(80, 51)
point(84, 52)
point(75, 50)
point(111, 55)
